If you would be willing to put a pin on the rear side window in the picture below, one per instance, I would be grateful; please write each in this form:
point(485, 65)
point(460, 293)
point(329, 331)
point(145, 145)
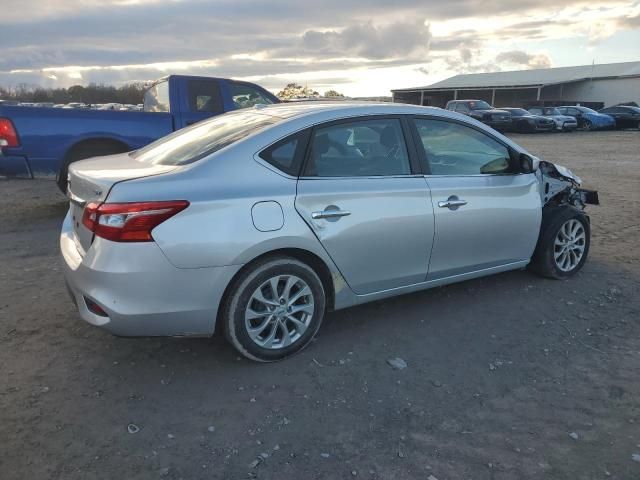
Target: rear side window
point(156, 98)
point(204, 96)
point(286, 155)
point(204, 138)
point(359, 148)
point(454, 149)
point(245, 96)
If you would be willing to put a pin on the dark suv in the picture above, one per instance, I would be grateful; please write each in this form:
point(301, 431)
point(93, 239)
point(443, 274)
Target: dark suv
point(482, 111)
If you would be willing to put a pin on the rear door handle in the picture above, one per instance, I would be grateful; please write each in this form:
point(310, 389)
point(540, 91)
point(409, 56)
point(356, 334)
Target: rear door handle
point(328, 214)
point(452, 203)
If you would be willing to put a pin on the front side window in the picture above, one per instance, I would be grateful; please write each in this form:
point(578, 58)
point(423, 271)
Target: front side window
point(245, 96)
point(359, 148)
point(156, 98)
point(454, 149)
point(202, 139)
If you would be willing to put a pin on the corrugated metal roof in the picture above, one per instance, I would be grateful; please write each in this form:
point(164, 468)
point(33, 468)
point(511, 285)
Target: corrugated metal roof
point(543, 76)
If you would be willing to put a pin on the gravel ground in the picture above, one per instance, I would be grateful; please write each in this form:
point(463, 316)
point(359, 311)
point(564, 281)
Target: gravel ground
point(507, 377)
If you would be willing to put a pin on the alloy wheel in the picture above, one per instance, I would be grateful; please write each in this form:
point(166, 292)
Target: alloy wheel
point(279, 312)
point(569, 245)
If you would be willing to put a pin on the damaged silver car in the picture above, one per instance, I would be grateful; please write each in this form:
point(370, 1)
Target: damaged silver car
point(255, 223)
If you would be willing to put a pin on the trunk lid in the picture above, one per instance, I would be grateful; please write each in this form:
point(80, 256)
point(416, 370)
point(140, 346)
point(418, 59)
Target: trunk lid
point(91, 180)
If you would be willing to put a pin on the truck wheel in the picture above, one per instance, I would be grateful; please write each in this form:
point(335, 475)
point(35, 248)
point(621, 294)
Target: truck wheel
point(85, 150)
point(274, 309)
point(563, 244)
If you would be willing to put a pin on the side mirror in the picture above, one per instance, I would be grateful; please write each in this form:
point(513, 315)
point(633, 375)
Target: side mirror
point(528, 164)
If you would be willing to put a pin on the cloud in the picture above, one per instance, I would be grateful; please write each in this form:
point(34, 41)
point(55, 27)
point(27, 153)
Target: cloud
point(367, 40)
point(520, 58)
point(137, 40)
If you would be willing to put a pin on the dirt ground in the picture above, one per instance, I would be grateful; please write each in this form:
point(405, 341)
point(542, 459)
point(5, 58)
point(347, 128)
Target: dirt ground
point(508, 377)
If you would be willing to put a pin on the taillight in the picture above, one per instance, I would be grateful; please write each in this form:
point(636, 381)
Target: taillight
point(129, 222)
point(8, 134)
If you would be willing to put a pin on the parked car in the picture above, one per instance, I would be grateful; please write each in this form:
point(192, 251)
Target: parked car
point(482, 111)
point(43, 142)
point(110, 106)
point(624, 116)
point(76, 105)
point(525, 122)
point(257, 222)
point(587, 118)
point(564, 123)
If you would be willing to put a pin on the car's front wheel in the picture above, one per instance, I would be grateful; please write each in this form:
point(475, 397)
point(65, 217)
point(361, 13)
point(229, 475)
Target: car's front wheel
point(563, 244)
point(274, 309)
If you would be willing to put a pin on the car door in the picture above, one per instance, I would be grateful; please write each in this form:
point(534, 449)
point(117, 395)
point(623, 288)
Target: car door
point(363, 196)
point(200, 99)
point(486, 213)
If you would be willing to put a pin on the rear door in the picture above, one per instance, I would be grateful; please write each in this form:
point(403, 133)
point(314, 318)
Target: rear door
point(486, 215)
point(199, 99)
point(362, 196)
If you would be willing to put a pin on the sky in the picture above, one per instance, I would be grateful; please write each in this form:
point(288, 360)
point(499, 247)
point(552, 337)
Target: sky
point(357, 47)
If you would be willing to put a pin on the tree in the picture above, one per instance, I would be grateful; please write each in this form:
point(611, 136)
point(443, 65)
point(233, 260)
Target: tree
point(293, 91)
point(333, 93)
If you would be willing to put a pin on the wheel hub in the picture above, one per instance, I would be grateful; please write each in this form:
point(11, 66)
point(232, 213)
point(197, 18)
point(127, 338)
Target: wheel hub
point(279, 311)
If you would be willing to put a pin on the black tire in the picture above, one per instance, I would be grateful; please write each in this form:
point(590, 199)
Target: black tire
point(82, 151)
point(553, 218)
point(588, 126)
point(240, 294)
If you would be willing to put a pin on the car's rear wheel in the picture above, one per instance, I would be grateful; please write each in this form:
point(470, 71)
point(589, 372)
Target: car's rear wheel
point(588, 125)
point(274, 309)
point(563, 244)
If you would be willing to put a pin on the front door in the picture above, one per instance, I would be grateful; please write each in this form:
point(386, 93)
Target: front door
point(486, 213)
point(370, 210)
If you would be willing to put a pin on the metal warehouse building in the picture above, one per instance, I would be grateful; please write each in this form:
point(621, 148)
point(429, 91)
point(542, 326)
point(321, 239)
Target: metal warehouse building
point(589, 85)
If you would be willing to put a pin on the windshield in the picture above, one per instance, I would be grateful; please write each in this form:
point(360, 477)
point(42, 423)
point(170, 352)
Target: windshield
point(552, 111)
point(204, 138)
point(587, 110)
point(480, 105)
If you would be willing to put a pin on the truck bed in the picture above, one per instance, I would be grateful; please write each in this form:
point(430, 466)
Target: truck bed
point(49, 133)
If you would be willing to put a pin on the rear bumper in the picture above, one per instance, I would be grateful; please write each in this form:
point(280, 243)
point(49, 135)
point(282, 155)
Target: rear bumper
point(14, 166)
point(141, 293)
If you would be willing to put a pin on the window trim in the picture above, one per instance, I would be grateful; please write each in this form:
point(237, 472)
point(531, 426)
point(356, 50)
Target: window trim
point(414, 164)
point(424, 162)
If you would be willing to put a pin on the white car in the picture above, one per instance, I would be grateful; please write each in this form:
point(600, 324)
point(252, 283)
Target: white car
point(564, 123)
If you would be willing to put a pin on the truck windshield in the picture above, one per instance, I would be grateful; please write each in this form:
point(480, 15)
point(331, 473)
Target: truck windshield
point(202, 139)
point(479, 105)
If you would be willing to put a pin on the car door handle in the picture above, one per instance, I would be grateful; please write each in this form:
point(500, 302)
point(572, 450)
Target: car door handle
point(329, 214)
point(452, 203)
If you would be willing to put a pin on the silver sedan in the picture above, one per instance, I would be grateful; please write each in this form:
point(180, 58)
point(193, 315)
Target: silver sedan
point(255, 223)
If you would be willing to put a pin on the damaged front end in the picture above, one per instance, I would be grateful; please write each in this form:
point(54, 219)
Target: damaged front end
point(559, 186)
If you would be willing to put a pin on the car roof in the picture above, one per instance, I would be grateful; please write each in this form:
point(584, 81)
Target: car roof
point(347, 109)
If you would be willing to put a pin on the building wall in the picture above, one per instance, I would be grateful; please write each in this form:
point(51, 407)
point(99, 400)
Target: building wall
point(610, 91)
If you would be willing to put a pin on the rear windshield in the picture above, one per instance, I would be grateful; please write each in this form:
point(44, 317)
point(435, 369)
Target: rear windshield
point(204, 138)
